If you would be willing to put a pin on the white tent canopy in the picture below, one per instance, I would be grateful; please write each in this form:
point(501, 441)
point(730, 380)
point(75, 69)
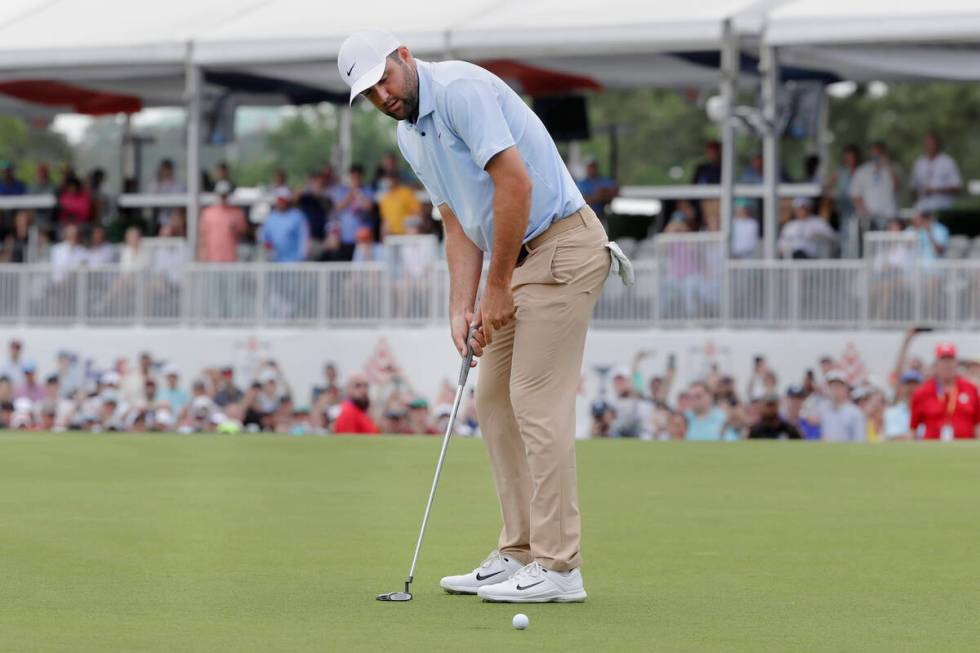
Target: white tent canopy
point(880, 39)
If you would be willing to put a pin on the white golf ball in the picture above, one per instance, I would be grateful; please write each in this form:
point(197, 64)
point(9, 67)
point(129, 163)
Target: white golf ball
point(520, 621)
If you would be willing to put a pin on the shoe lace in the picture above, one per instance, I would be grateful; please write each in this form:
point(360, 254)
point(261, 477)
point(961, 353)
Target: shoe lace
point(491, 559)
point(527, 572)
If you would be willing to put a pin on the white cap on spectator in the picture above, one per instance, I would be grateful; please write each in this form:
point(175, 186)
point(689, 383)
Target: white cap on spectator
point(282, 193)
point(267, 375)
point(800, 202)
point(223, 187)
point(200, 403)
point(621, 370)
point(443, 410)
point(836, 375)
point(110, 378)
point(171, 370)
point(361, 60)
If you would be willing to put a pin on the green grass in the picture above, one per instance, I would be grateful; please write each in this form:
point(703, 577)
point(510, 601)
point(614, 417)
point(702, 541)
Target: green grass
point(167, 543)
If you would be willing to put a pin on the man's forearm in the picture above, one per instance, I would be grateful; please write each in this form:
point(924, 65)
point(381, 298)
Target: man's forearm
point(511, 206)
point(465, 262)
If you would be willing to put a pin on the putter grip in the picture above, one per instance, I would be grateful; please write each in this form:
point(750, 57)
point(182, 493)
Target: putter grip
point(468, 359)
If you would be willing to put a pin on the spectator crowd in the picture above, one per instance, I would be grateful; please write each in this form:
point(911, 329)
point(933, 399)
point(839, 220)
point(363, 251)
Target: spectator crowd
point(834, 402)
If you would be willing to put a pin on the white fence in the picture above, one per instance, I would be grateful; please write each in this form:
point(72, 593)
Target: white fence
point(684, 287)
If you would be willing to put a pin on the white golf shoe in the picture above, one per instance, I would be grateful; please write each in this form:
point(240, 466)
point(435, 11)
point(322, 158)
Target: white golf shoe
point(494, 569)
point(535, 584)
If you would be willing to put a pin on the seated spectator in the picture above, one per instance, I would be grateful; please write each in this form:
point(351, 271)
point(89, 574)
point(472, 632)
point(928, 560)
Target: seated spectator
point(172, 394)
point(353, 417)
point(935, 177)
point(793, 413)
point(366, 250)
point(933, 236)
point(285, 233)
point(226, 392)
point(16, 244)
point(597, 190)
point(705, 420)
point(840, 419)
point(634, 414)
point(603, 416)
point(871, 402)
point(806, 235)
point(419, 420)
point(74, 202)
point(13, 368)
point(676, 427)
point(396, 204)
point(222, 227)
point(100, 251)
point(745, 230)
point(330, 390)
point(68, 255)
point(897, 417)
point(353, 204)
point(30, 389)
point(133, 256)
point(771, 426)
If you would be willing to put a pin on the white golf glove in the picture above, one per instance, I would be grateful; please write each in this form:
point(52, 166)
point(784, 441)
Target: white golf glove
point(620, 265)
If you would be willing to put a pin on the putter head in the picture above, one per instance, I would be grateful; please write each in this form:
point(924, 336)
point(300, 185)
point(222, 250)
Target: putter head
point(395, 596)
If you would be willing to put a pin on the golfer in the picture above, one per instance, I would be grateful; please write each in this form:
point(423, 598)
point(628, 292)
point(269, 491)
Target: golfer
point(502, 189)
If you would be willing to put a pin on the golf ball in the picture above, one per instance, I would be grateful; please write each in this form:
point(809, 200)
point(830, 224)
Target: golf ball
point(520, 621)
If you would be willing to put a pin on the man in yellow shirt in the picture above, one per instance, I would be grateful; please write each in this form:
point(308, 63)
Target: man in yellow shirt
point(397, 204)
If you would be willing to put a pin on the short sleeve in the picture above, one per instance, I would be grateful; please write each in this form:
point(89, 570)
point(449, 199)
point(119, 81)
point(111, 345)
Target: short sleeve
point(475, 114)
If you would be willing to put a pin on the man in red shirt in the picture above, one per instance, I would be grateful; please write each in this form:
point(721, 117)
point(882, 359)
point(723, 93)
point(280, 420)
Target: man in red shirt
point(947, 405)
point(353, 416)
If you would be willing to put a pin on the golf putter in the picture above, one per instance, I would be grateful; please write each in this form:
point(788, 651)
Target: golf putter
point(463, 373)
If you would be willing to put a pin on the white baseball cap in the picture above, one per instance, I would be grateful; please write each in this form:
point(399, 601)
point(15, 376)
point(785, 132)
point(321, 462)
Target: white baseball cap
point(361, 61)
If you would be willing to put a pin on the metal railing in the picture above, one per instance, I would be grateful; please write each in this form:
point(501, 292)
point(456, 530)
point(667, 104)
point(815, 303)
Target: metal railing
point(686, 281)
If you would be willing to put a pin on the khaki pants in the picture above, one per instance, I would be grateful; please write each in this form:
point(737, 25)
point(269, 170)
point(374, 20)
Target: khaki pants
point(525, 396)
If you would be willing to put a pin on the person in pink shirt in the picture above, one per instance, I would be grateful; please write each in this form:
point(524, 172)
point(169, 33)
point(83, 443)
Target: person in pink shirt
point(222, 226)
point(74, 202)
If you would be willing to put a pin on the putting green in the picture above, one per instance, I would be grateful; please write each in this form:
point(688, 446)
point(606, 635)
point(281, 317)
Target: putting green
point(253, 543)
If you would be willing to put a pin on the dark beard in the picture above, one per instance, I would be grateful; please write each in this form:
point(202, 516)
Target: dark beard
point(361, 403)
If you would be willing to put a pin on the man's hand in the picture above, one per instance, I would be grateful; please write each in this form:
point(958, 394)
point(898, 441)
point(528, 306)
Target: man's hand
point(460, 326)
point(496, 309)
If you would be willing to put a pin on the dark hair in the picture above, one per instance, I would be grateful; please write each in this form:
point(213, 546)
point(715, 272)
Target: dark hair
point(356, 167)
point(853, 149)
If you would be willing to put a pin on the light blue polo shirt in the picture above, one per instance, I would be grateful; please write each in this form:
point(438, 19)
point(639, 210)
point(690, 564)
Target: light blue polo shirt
point(466, 116)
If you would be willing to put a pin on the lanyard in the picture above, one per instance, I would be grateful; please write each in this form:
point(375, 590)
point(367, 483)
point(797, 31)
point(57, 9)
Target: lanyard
point(950, 397)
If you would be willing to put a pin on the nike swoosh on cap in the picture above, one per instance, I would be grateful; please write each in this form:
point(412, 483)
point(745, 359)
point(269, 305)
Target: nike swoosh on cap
point(351, 68)
point(527, 587)
point(479, 577)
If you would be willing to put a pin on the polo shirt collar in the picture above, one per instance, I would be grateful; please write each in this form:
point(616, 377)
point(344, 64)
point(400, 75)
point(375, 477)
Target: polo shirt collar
point(426, 101)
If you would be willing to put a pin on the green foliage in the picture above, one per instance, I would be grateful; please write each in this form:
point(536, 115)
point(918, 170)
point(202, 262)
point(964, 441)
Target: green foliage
point(27, 146)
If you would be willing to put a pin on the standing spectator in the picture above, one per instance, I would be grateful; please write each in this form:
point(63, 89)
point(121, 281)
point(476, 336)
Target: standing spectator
point(806, 235)
point(284, 232)
point(353, 204)
point(366, 249)
point(166, 183)
point(705, 420)
point(315, 204)
point(933, 236)
point(840, 419)
point(935, 177)
point(745, 230)
point(16, 245)
point(102, 208)
point(353, 416)
point(946, 406)
point(634, 414)
point(68, 255)
point(874, 189)
point(389, 166)
point(597, 190)
point(74, 202)
point(222, 227)
point(771, 426)
point(9, 183)
point(754, 173)
point(709, 170)
point(13, 367)
point(43, 185)
point(100, 251)
point(898, 416)
point(223, 174)
point(839, 185)
point(396, 203)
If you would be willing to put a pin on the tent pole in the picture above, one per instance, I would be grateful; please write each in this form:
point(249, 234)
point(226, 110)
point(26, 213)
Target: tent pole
point(193, 101)
point(345, 138)
point(729, 77)
point(769, 65)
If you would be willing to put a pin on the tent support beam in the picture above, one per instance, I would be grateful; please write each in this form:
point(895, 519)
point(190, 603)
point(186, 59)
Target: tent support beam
point(193, 102)
point(345, 139)
point(769, 67)
point(729, 84)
